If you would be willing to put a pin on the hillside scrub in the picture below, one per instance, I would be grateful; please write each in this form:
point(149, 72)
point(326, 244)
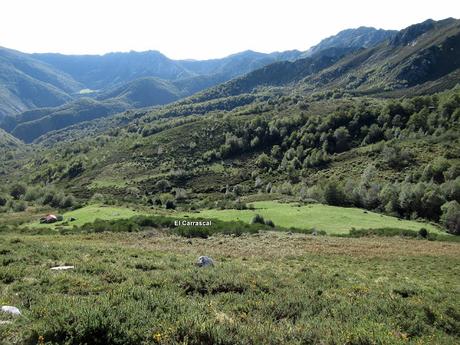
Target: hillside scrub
point(266, 288)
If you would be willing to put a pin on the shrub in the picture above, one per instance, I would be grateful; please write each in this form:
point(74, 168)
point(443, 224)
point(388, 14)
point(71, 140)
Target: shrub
point(163, 186)
point(257, 219)
point(450, 217)
point(423, 233)
point(68, 201)
point(75, 169)
point(333, 194)
point(98, 198)
point(180, 193)
point(170, 205)
point(17, 190)
point(33, 194)
point(3, 200)
point(19, 206)
point(264, 161)
point(270, 223)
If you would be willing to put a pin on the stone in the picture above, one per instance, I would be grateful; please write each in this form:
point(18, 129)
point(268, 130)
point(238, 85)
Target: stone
point(62, 268)
point(204, 261)
point(10, 310)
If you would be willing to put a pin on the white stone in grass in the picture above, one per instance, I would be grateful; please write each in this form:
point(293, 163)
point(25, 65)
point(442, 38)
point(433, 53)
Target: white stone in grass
point(62, 268)
point(7, 322)
point(10, 310)
point(204, 261)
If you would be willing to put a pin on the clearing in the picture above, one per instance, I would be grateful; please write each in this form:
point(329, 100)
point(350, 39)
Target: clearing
point(332, 219)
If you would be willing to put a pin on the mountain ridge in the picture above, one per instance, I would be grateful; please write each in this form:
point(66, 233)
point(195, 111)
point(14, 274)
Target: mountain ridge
point(128, 85)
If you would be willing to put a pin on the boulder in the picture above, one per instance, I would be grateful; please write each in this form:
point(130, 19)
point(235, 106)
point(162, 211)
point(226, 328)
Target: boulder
point(204, 261)
point(10, 310)
point(62, 268)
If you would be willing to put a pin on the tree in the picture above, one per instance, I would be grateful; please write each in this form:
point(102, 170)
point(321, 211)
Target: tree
point(453, 172)
point(264, 161)
point(388, 197)
point(451, 189)
point(432, 201)
point(75, 169)
point(374, 134)
point(342, 138)
point(439, 166)
point(333, 194)
point(410, 197)
point(163, 186)
point(68, 201)
point(3, 200)
point(450, 217)
point(17, 190)
point(276, 152)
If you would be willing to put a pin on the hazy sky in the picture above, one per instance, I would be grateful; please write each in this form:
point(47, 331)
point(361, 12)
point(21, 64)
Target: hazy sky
point(198, 29)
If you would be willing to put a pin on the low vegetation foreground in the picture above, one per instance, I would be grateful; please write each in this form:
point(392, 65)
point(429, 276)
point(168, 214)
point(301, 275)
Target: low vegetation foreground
point(264, 288)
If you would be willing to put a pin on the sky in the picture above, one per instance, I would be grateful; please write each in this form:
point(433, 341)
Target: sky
point(200, 29)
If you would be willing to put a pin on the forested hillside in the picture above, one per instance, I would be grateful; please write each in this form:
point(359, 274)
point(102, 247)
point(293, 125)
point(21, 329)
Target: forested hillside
point(295, 129)
point(131, 80)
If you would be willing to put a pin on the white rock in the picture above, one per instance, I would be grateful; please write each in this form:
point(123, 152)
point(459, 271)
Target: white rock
point(204, 261)
point(62, 268)
point(2, 322)
point(10, 310)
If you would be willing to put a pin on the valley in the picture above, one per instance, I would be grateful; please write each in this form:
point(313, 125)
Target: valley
point(330, 178)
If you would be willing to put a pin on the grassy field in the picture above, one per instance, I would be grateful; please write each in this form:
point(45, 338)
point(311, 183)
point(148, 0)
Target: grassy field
point(332, 219)
point(88, 214)
point(268, 288)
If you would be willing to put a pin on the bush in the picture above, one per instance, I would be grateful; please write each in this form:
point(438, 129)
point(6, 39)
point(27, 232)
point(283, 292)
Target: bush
point(163, 186)
point(68, 201)
point(98, 198)
point(333, 194)
point(19, 206)
point(257, 219)
point(75, 169)
point(423, 233)
point(17, 190)
point(33, 194)
point(170, 205)
point(450, 217)
point(270, 223)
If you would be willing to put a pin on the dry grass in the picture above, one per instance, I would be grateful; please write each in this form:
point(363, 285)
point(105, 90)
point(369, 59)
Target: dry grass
point(279, 245)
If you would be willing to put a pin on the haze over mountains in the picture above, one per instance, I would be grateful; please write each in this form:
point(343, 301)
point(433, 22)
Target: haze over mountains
point(41, 93)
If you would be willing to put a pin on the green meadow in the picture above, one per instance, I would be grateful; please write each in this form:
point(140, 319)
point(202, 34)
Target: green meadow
point(88, 214)
point(332, 219)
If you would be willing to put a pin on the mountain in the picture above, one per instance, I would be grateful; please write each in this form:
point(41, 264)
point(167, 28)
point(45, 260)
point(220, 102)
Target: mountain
point(276, 74)
point(26, 83)
point(8, 141)
point(354, 127)
point(424, 56)
point(32, 124)
point(362, 37)
point(101, 71)
point(144, 92)
point(238, 64)
point(421, 56)
point(117, 81)
point(31, 81)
